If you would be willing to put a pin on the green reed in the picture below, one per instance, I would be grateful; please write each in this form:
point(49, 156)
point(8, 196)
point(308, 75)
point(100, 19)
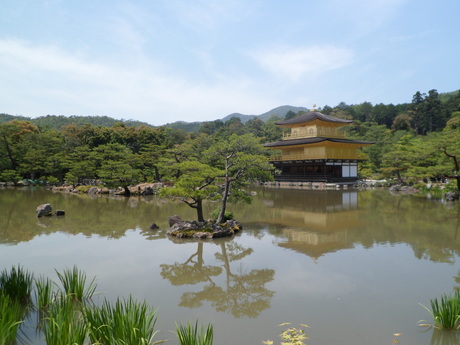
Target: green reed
point(64, 323)
point(446, 311)
point(74, 284)
point(189, 335)
point(44, 293)
point(128, 322)
point(10, 318)
point(17, 284)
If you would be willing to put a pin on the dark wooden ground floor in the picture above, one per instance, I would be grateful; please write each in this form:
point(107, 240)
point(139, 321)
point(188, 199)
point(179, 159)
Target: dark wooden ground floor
point(316, 171)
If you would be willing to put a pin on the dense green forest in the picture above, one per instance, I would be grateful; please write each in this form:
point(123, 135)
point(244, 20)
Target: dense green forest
point(58, 121)
point(414, 141)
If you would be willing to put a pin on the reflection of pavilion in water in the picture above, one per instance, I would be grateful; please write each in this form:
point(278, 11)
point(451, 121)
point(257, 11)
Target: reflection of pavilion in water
point(319, 223)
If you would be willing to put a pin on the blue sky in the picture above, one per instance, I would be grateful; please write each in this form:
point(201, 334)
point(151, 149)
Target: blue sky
point(162, 61)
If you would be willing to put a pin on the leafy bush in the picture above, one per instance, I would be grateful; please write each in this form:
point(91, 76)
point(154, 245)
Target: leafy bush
point(451, 186)
point(51, 180)
point(83, 189)
point(10, 176)
point(214, 214)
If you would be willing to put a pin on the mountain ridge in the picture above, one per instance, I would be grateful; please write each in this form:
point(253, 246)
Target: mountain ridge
point(280, 111)
point(58, 121)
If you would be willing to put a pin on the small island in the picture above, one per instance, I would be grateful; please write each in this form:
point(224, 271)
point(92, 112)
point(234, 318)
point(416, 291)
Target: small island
point(202, 230)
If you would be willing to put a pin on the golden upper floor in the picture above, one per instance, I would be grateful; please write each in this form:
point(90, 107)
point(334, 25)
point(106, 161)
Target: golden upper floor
point(313, 131)
point(313, 124)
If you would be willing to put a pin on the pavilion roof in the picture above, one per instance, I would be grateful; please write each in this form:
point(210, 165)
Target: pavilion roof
point(311, 116)
point(314, 140)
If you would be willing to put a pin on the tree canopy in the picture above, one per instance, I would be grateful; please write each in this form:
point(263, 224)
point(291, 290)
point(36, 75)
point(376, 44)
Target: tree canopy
point(413, 141)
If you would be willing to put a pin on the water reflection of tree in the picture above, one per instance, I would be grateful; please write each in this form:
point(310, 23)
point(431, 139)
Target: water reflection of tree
point(192, 271)
point(429, 227)
point(102, 215)
point(242, 293)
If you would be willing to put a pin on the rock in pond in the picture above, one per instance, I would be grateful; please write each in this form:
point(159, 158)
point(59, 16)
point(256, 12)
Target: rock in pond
point(154, 226)
point(451, 196)
point(44, 210)
point(174, 219)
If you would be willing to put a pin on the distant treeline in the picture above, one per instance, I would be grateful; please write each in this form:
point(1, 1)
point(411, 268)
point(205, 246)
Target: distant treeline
point(414, 141)
point(58, 121)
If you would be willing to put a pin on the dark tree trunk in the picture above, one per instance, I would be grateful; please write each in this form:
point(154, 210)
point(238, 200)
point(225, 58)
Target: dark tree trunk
point(157, 173)
point(224, 201)
point(10, 155)
point(456, 167)
point(399, 177)
point(199, 210)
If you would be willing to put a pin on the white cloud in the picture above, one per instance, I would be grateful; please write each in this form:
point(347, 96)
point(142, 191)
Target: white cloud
point(52, 81)
point(21, 56)
point(295, 63)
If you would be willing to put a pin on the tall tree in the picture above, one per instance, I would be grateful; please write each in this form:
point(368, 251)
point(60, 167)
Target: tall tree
point(402, 122)
point(116, 166)
point(416, 109)
point(371, 132)
point(195, 184)
point(82, 164)
point(428, 112)
point(398, 159)
point(449, 144)
point(242, 159)
point(434, 115)
point(13, 140)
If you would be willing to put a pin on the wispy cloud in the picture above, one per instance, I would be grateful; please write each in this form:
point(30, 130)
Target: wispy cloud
point(412, 37)
point(57, 82)
point(295, 63)
point(22, 56)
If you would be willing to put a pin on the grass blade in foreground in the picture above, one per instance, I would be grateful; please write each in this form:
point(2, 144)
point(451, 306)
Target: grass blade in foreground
point(446, 312)
point(127, 322)
point(74, 284)
point(17, 284)
point(45, 293)
point(65, 324)
point(10, 319)
point(188, 335)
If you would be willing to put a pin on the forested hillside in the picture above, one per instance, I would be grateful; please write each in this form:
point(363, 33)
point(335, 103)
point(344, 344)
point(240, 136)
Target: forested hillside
point(58, 121)
point(414, 141)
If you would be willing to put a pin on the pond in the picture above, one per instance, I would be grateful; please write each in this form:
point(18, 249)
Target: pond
point(353, 265)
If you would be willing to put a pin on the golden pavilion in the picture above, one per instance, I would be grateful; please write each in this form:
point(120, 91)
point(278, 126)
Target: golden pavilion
point(316, 150)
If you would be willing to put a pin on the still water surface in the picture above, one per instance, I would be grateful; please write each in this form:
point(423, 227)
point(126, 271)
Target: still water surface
point(353, 265)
